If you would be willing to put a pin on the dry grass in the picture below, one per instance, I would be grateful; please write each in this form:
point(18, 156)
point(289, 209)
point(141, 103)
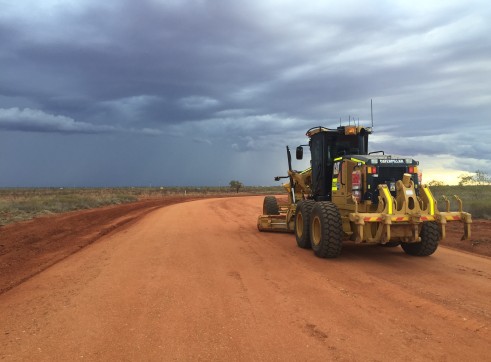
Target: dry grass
point(24, 204)
point(476, 199)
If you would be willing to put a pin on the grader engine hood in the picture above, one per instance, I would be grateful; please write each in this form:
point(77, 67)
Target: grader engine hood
point(388, 170)
point(374, 170)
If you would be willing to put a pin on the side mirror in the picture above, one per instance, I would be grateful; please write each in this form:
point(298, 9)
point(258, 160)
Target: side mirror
point(299, 152)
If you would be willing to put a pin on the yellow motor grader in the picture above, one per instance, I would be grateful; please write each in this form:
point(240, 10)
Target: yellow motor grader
point(350, 194)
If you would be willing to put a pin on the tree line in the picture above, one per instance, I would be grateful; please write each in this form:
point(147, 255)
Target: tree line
point(478, 178)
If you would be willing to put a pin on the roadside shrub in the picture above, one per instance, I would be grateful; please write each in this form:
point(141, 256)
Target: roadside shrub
point(475, 199)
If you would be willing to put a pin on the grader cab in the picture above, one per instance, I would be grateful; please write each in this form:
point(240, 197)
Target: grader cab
point(350, 194)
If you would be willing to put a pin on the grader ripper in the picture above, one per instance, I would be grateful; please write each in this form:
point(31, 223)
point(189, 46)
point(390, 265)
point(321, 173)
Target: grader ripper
point(348, 193)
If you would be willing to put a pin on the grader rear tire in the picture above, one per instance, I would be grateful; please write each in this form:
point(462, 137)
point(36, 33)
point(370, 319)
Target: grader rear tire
point(430, 236)
point(302, 223)
point(270, 206)
point(326, 230)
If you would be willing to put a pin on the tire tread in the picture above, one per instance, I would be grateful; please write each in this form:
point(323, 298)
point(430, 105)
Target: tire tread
point(430, 237)
point(332, 228)
point(304, 206)
point(270, 206)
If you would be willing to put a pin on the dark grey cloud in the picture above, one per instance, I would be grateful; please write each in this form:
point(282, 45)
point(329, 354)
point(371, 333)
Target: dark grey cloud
point(226, 82)
point(15, 119)
point(31, 120)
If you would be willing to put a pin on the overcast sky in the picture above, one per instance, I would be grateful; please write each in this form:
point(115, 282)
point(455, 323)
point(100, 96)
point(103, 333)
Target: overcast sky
point(178, 92)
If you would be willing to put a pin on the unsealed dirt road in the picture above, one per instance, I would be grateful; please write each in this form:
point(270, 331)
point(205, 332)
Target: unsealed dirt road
point(197, 281)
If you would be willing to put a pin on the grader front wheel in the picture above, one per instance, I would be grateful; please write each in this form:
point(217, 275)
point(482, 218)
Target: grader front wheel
point(326, 230)
point(270, 206)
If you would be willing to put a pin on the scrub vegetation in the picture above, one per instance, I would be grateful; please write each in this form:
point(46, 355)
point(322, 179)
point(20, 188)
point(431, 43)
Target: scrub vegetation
point(18, 204)
point(476, 199)
point(474, 190)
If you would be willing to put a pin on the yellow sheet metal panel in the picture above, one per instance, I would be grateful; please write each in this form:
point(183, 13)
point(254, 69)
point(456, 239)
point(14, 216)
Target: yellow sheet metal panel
point(388, 196)
point(431, 200)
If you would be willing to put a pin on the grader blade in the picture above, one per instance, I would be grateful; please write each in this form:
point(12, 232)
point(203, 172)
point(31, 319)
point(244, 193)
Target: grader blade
point(275, 223)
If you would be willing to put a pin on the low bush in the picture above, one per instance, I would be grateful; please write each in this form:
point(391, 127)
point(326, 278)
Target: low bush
point(476, 199)
point(17, 204)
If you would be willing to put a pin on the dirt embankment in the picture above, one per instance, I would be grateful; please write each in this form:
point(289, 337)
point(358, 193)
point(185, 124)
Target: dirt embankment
point(29, 247)
point(480, 242)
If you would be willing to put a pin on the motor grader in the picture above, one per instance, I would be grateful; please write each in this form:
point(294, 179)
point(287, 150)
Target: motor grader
point(351, 194)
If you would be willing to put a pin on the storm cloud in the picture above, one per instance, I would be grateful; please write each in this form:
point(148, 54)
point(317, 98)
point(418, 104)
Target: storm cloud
point(201, 92)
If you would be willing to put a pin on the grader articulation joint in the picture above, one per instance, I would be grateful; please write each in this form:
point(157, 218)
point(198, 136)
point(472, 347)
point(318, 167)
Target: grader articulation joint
point(350, 194)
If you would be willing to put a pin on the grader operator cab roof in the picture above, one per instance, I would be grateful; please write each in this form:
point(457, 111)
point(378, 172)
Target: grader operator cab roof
point(345, 140)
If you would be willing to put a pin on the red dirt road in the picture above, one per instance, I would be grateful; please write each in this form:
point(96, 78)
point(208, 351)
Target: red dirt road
point(197, 281)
